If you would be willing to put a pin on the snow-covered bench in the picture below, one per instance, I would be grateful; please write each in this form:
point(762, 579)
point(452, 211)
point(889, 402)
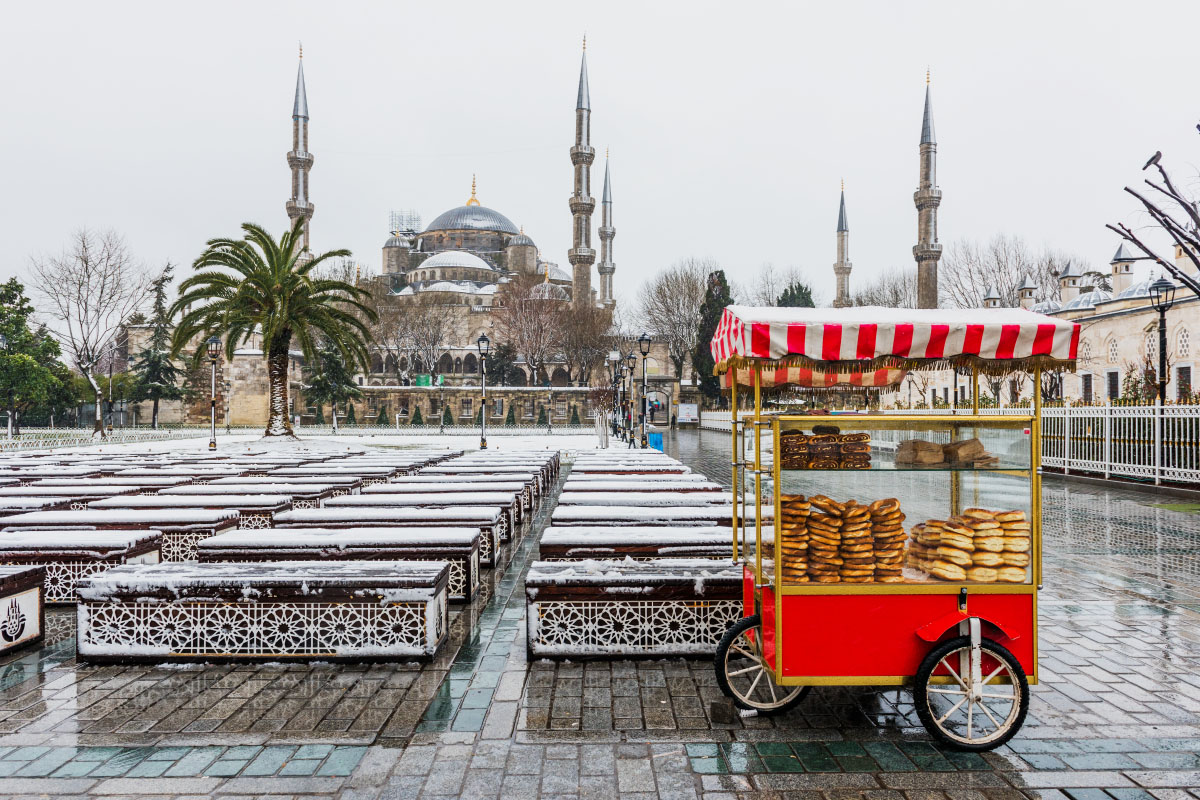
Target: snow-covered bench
point(22, 611)
point(676, 515)
point(587, 543)
point(459, 547)
point(76, 496)
point(195, 475)
point(367, 474)
point(622, 609)
point(18, 505)
point(629, 468)
point(342, 484)
point(70, 555)
point(617, 483)
point(302, 495)
point(25, 475)
point(485, 518)
point(142, 485)
point(507, 502)
point(644, 499)
point(181, 527)
point(330, 610)
point(254, 510)
point(460, 483)
point(535, 479)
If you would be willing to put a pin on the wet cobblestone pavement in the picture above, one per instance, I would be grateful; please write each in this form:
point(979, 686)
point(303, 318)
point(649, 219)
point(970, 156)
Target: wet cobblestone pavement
point(1116, 716)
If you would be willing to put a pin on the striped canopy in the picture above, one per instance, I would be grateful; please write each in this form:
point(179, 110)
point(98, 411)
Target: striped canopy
point(863, 339)
point(793, 375)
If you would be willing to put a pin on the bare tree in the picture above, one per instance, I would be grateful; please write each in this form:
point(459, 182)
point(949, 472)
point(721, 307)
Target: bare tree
point(530, 323)
point(91, 288)
point(585, 341)
point(428, 326)
point(895, 288)
point(670, 306)
point(969, 269)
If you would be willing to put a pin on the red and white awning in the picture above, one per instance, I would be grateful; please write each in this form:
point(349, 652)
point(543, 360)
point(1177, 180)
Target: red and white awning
point(792, 375)
point(865, 337)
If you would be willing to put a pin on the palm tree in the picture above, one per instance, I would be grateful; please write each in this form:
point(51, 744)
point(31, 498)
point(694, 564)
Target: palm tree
point(259, 285)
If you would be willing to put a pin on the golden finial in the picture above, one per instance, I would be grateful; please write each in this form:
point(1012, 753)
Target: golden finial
point(606, 154)
point(473, 201)
point(843, 184)
point(302, 50)
point(357, 273)
point(585, 43)
point(927, 76)
point(547, 278)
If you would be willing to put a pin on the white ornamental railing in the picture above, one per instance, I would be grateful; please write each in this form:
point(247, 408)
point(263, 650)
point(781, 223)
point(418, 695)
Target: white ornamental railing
point(1152, 443)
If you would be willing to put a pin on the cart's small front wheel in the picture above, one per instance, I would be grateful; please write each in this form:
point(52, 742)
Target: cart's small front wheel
point(742, 676)
point(971, 699)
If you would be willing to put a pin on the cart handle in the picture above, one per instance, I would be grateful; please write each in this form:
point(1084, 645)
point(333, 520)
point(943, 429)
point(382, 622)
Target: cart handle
point(935, 630)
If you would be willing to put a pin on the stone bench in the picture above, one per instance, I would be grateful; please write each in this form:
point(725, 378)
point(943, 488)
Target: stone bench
point(657, 516)
point(254, 510)
point(610, 483)
point(535, 480)
point(263, 611)
point(181, 528)
point(508, 503)
point(629, 469)
point(623, 609)
point(319, 472)
point(301, 495)
point(459, 547)
point(18, 505)
point(342, 484)
point(143, 485)
point(463, 483)
point(584, 543)
point(74, 497)
point(71, 555)
point(644, 499)
point(188, 474)
point(22, 609)
point(26, 475)
point(486, 519)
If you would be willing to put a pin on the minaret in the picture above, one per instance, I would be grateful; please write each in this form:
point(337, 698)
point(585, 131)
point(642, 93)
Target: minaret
point(299, 159)
point(607, 232)
point(842, 266)
point(927, 198)
point(581, 254)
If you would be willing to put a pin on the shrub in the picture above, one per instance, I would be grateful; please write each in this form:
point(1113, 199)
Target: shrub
point(382, 419)
point(575, 415)
point(351, 419)
point(541, 417)
point(510, 420)
point(447, 417)
point(416, 417)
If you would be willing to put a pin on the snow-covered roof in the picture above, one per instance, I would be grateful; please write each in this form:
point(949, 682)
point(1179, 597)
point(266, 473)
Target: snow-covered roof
point(89, 489)
point(1088, 300)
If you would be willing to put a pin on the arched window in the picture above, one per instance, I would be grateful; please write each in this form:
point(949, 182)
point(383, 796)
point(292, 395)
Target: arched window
point(418, 364)
point(517, 378)
point(403, 364)
point(652, 366)
point(559, 378)
point(390, 363)
point(1150, 347)
point(1085, 351)
point(445, 364)
point(470, 364)
point(1182, 344)
point(457, 366)
point(376, 363)
point(1112, 351)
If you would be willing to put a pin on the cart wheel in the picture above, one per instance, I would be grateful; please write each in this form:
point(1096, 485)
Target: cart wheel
point(971, 706)
point(741, 675)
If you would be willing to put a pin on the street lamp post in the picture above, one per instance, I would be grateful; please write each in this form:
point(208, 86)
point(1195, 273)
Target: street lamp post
point(214, 350)
point(1162, 297)
point(8, 411)
point(644, 346)
point(484, 345)
point(614, 356)
point(630, 361)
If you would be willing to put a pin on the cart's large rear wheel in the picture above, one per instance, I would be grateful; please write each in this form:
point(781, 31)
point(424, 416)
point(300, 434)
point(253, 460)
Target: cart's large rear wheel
point(742, 676)
point(971, 699)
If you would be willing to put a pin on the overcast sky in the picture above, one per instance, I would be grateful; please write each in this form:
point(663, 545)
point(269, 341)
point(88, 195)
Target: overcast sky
point(730, 124)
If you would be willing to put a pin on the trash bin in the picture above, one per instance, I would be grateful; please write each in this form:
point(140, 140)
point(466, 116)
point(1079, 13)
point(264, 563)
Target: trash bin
point(655, 440)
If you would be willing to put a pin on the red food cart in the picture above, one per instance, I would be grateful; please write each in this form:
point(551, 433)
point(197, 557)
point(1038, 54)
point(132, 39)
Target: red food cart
point(906, 547)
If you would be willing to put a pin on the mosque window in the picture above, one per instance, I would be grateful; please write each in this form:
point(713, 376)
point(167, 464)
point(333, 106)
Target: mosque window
point(1112, 351)
point(1085, 351)
point(1183, 348)
point(1151, 346)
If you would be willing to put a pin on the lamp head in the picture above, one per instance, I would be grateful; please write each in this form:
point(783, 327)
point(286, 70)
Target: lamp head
point(629, 359)
point(1162, 294)
point(644, 344)
point(214, 347)
point(484, 344)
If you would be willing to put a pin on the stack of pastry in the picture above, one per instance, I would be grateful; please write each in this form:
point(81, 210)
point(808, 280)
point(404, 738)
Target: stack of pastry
point(793, 449)
point(887, 534)
point(968, 452)
point(953, 555)
point(854, 451)
point(922, 549)
point(1018, 537)
point(823, 451)
point(824, 540)
point(793, 540)
point(858, 546)
point(978, 545)
point(919, 452)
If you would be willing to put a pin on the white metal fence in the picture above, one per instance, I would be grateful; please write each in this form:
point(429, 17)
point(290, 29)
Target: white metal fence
point(1154, 443)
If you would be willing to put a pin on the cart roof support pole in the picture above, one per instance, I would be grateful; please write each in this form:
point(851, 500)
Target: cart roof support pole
point(1035, 470)
point(733, 426)
point(757, 474)
point(975, 390)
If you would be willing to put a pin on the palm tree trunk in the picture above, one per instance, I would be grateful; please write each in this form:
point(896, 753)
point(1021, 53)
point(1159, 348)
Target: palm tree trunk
point(278, 423)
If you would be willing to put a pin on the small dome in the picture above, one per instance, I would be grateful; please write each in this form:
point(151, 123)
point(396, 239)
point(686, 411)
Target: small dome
point(1088, 300)
point(1139, 289)
point(473, 218)
point(398, 241)
point(520, 240)
point(548, 291)
point(454, 258)
point(1046, 307)
point(556, 274)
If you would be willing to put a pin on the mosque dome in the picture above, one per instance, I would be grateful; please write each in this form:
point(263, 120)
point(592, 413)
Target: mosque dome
point(548, 291)
point(520, 240)
point(397, 241)
point(1139, 289)
point(455, 258)
point(1046, 307)
point(1088, 300)
point(473, 218)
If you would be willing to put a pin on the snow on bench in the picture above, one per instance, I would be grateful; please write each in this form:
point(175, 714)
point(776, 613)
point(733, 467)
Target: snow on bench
point(181, 527)
point(254, 510)
point(588, 477)
point(330, 610)
point(485, 518)
point(644, 498)
point(622, 609)
point(22, 610)
point(143, 485)
point(342, 484)
point(25, 475)
point(302, 495)
point(653, 515)
point(507, 502)
point(70, 555)
point(536, 479)
point(608, 484)
point(584, 543)
point(193, 474)
point(15, 505)
point(75, 497)
point(459, 547)
point(461, 483)
point(368, 475)
point(629, 468)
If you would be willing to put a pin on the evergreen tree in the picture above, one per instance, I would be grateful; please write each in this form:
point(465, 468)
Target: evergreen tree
point(350, 418)
point(479, 416)
point(156, 375)
point(382, 419)
point(716, 297)
point(320, 420)
point(541, 417)
point(796, 295)
point(416, 417)
point(447, 417)
point(28, 360)
point(331, 381)
point(575, 415)
point(510, 419)
point(501, 363)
